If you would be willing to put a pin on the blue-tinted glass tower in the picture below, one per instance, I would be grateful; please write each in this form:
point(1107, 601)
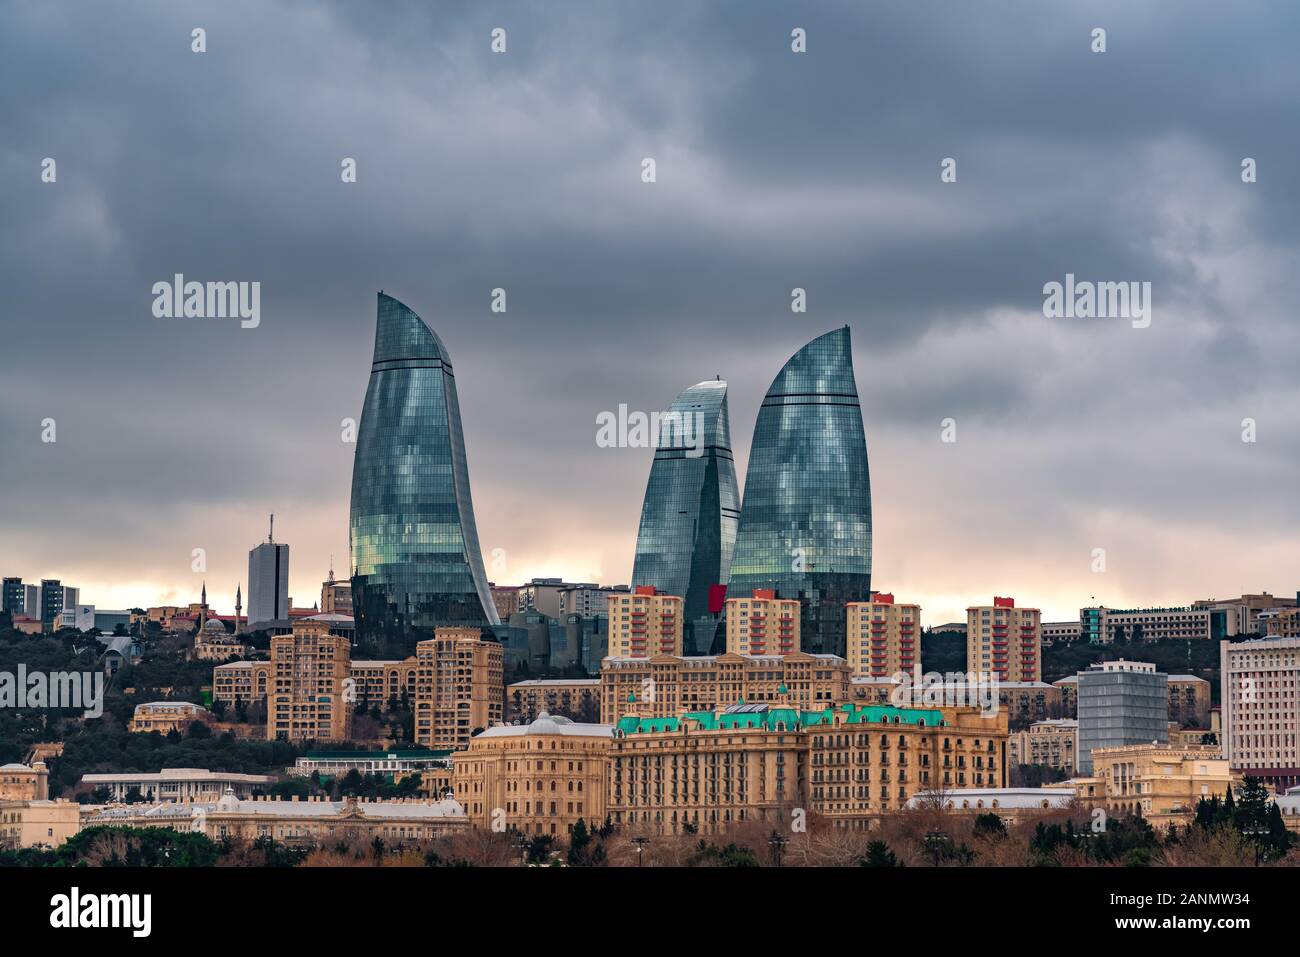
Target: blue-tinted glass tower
point(416, 561)
point(691, 508)
point(805, 525)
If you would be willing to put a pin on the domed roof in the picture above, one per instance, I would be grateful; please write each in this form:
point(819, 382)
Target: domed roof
point(544, 724)
point(213, 624)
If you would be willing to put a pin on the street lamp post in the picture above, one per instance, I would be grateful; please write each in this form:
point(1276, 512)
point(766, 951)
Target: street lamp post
point(640, 843)
point(778, 845)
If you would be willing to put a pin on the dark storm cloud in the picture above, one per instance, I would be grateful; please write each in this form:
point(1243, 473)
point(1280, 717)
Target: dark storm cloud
point(522, 171)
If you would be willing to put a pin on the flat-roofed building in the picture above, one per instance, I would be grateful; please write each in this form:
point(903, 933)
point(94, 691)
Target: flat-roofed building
point(309, 668)
point(1050, 743)
point(434, 767)
point(185, 785)
point(577, 699)
point(645, 623)
point(1160, 783)
point(1120, 703)
point(1260, 695)
point(538, 778)
point(459, 687)
point(884, 637)
point(41, 823)
point(300, 823)
point(668, 685)
point(382, 682)
point(762, 624)
point(241, 681)
point(21, 782)
point(1005, 641)
point(1189, 701)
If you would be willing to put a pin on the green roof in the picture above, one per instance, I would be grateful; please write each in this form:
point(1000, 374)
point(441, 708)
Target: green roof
point(761, 716)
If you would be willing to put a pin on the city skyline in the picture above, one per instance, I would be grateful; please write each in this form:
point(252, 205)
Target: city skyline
point(775, 172)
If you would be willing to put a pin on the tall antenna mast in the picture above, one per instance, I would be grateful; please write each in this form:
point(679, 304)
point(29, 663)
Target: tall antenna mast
point(270, 536)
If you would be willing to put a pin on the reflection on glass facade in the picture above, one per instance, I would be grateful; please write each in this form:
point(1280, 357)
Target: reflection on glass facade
point(688, 520)
point(415, 553)
point(805, 526)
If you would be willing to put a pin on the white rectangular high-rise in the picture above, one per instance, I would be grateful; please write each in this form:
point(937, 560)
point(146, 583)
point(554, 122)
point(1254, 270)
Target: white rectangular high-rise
point(268, 583)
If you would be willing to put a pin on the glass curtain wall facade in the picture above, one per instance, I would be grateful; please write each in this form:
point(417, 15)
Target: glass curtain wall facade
point(416, 562)
point(691, 510)
point(805, 525)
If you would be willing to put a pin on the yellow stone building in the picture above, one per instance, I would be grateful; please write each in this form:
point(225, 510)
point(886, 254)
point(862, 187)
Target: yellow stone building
point(762, 624)
point(669, 685)
point(38, 823)
point(19, 782)
point(539, 778)
point(306, 694)
point(575, 698)
point(883, 638)
point(644, 624)
point(1004, 640)
point(165, 716)
point(1162, 784)
point(459, 687)
point(849, 764)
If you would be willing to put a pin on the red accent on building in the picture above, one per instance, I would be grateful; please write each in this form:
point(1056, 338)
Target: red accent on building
point(646, 590)
point(1004, 602)
point(883, 597)
point(717, 598)
point(765, 593)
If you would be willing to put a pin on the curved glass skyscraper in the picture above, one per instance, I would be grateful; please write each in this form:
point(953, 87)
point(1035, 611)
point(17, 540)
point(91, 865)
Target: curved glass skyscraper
point(416, 561)
point(805, 526)
point(688, 519)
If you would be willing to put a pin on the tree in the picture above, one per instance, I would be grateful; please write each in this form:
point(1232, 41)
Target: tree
point(878, 854)
point(989, 825)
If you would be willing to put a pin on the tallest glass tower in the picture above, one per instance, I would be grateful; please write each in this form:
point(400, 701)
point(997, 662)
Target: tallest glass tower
point(416, 561)
point(805, 523)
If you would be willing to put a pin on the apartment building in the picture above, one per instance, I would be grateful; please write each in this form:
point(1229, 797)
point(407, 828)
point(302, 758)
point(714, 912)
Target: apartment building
point(309, 668)
point(762, 624)
point(459, 687)
point(883, 637)
point(1005, 641)
point(1050, 743)
point(644, 624)
point(577, 699)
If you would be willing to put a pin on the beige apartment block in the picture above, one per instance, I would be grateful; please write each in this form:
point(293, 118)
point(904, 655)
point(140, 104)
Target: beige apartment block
point(668, 685)
point(884, 638)
point(644, 624)
point(577, 699)
point(1004, 640)
point(459, 687)
point(762, 624)
point(309, 668)
point(1050, 743)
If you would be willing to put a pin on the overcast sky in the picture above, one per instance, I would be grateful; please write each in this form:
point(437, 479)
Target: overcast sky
point(522, 171)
